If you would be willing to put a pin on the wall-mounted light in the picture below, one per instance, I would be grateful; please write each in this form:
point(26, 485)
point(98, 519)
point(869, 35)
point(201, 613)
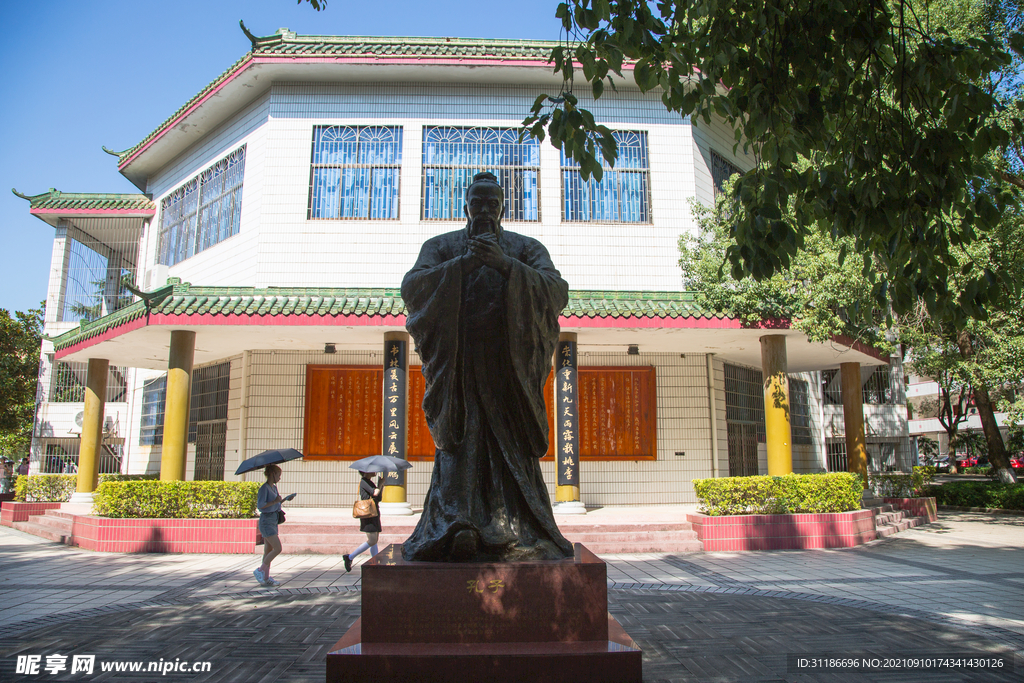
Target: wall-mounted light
point(633, 350)
point(329, 348)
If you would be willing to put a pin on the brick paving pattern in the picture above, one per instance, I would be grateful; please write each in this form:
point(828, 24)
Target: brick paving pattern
point(946, 588)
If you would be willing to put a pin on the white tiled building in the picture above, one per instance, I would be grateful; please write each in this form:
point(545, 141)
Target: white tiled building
point(331, 160)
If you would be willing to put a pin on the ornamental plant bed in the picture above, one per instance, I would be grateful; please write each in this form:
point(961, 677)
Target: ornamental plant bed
point(784, 532)
point(793, 512)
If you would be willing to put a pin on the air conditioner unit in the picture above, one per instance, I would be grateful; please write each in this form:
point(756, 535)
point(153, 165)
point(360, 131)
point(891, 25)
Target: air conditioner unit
point(156, 277)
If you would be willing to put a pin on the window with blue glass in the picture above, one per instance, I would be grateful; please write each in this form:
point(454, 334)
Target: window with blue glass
point(203, 212)
point(623, 193)
point(453, 155)
point(154, 396)
point(355, 172)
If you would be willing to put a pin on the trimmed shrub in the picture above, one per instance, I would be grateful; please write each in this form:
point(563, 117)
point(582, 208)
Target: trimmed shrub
point(58, 488)
point(980, 494)
point(45, 488)
point(832, 492)
point(900, 485)
point(176, 499)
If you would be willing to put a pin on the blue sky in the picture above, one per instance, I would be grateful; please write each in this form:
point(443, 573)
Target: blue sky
point(80, 75)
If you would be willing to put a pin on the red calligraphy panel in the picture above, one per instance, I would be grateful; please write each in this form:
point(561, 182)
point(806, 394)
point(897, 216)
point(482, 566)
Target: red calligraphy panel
point(618, 413)
point(343, 411)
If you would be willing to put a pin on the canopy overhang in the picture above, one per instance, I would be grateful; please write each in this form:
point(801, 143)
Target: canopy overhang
point(228, 323)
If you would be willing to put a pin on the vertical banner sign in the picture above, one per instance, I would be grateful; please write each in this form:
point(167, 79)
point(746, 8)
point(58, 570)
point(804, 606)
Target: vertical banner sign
point(395, 423)
point(567, 417)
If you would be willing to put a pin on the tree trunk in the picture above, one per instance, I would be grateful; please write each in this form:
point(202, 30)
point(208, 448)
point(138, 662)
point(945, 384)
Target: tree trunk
point(996, 448)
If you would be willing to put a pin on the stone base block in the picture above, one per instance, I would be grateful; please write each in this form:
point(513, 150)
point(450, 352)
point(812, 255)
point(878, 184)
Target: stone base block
point(494, 622)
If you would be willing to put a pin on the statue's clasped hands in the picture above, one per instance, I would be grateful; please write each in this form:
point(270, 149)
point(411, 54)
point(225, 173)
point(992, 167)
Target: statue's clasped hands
point(485, 250)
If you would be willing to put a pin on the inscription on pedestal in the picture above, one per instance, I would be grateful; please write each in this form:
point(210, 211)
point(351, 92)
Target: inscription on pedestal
point(439, 602)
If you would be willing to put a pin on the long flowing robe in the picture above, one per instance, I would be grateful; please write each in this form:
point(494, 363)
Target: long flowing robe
point(486, 346)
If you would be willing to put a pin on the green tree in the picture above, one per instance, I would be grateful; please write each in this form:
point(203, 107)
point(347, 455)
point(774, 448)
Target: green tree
point(20, 340)
point(816, 294)
point(927, 448)
point(869, 122)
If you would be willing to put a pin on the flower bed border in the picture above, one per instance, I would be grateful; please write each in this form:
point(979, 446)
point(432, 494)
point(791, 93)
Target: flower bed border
point(149, 535)
point(12, 511)
point(784, 532)
point(917, 507)
point(145, 535)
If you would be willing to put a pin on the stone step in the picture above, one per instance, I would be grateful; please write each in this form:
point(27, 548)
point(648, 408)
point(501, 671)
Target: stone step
point(598, 548)
point(46, 531)
point(60, 523)
point(400, 527)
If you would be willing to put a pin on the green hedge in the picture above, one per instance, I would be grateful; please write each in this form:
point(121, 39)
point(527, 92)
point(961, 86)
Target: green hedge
point(177, 499)
point(45, 488)
point(980, 494)
point(57, 488)
point(832, 492)
point(899, 485)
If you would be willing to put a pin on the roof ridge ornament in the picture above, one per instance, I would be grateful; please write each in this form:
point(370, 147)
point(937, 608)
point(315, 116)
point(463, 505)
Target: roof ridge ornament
point(112, 152)
point(150, 298)
point(252, 39)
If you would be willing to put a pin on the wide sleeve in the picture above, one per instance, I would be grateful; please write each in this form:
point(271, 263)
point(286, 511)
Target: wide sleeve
point(432, 292)
point(537, 294)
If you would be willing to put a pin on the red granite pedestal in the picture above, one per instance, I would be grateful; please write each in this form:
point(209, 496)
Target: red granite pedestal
point(493, 622)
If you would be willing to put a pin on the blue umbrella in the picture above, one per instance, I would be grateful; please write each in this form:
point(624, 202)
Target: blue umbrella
point(268, 458)
point(380, 463)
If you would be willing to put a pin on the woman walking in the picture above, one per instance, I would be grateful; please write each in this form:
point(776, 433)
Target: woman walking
point(268, 502)
point(370, 525)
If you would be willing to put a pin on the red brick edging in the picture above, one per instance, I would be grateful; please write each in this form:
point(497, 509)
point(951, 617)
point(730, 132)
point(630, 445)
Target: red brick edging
point(784, 532)
point(164, 535)
point(14, 511)
point(146, 535)
point(917, 507)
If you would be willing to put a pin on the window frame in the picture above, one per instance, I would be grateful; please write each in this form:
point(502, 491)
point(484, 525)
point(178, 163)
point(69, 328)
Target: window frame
point(720, 165)
point(527, 149)
point(187, 206)
point(569, 168)
point(315, 165)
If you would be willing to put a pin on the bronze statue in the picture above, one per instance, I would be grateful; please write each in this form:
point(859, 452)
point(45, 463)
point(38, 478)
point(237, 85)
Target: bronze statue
point(483, 307)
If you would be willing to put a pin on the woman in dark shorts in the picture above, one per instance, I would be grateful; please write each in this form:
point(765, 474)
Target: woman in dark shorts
point(268, 502)
point(369, 525)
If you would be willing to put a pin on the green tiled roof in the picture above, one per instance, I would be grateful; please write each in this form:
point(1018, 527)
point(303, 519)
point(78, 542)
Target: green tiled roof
point(287, 43)
point(78, 201)
point(292, 44)
point(184, 299)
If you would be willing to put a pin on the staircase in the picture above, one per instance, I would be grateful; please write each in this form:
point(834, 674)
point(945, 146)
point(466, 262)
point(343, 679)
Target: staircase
point(889, 521)
point(326, 538)
point(53, 525)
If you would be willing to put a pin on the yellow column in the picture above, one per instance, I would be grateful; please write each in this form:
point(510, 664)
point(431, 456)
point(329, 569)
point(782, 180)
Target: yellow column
point(778, 430)
point(92, 430)
point(853, 419)
point(395, 423)
point(179, 390)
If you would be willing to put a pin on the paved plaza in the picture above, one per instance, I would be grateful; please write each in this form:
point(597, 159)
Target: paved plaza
point(951, 588)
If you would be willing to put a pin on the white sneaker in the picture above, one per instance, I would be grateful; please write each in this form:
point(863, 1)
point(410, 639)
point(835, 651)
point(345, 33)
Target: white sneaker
point(259, 576)
point(272, 582)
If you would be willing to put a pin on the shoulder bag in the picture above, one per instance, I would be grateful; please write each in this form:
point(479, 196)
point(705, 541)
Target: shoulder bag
point(362, 509)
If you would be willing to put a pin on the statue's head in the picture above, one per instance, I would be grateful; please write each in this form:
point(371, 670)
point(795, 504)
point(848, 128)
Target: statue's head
point(485, 205)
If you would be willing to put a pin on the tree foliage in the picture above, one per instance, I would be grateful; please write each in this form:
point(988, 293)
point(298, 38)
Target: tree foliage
point(866, 121)
point(815, 294)
point(20, 339)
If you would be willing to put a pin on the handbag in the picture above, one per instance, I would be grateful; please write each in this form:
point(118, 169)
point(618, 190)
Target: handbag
point(280, 517)
point(362, 509)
